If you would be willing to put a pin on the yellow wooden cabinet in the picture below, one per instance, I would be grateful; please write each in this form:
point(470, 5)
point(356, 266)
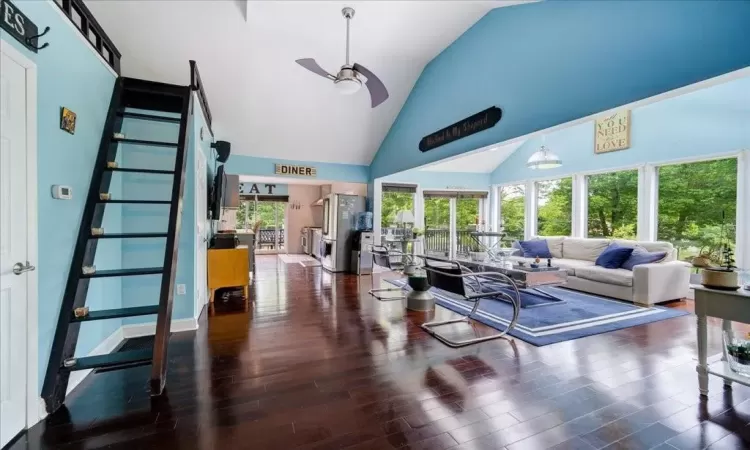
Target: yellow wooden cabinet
point(228, 267)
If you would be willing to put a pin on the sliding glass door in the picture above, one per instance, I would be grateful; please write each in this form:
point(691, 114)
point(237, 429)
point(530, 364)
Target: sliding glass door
point(437, 220)
point(265, 218)
point(450, 217)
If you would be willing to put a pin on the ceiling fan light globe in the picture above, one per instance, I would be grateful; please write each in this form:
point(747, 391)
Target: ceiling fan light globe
point(347, 86)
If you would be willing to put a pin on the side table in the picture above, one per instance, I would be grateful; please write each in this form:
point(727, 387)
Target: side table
point(729, 306)
point(228, 268)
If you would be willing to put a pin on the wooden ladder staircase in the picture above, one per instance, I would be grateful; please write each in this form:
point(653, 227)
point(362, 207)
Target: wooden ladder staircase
point(156, 98)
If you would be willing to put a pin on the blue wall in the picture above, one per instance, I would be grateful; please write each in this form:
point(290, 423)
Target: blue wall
point(714, 120)
point(144, 290)
point(441, 180)
point(252, 165)
point(70, 75)
point(549, 63)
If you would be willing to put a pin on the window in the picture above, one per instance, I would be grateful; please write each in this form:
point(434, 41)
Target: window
point(396, 198)
point(512, 208)
point(697, 207)
point(554, 207)
point(613, 205)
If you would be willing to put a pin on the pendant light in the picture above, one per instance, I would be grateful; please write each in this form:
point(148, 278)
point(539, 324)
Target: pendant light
point(543, 158)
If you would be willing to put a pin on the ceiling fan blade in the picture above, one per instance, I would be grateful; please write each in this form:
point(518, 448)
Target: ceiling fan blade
point(378, 92)
point(312, 66)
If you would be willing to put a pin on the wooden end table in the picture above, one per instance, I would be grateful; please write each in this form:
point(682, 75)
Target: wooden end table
point(726, 305)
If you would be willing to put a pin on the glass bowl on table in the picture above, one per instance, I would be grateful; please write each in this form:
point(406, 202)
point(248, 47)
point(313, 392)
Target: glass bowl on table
point(737, 348)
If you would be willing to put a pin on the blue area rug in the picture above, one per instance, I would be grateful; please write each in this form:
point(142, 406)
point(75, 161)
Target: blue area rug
point(581, 315)
point(529, 299)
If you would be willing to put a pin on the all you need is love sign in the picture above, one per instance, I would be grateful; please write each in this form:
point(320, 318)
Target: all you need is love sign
point(612, 133)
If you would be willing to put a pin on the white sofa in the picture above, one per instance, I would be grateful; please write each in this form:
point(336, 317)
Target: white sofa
point(647, 284)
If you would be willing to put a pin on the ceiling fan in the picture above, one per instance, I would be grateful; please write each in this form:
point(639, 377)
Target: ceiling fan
point(347, 81)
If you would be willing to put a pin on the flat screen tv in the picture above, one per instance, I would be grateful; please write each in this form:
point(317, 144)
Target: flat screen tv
point(216, 200)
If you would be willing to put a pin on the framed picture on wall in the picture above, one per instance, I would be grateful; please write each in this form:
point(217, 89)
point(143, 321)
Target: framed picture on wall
point(67, 120)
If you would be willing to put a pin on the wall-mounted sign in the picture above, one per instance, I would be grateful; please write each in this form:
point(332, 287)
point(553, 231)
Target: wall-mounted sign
point(466, 127)
point(18, 25)
point(263, 189)
point(612, 132)
point(290, 169)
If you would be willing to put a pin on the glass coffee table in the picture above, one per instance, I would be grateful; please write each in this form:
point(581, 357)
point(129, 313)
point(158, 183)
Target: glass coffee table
point(526, 279)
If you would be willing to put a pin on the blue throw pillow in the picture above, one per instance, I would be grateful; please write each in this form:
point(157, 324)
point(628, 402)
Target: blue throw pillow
point(613, 256)
point(535, 248)
point(641, 256)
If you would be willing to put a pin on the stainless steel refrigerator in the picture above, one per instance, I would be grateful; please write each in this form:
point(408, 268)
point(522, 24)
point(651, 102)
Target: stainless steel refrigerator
point(339, 225)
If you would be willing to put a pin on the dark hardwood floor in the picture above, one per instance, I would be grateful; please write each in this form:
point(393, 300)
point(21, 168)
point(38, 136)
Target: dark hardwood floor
point(318, 364)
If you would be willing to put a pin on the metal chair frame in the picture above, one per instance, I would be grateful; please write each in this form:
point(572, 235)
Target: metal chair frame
point(476, 298)
point(381, 251)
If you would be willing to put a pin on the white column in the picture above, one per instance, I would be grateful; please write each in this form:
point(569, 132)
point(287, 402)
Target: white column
point(419, 217)
point(452, 228)
point(497, 213)
point(580, 207)
point(530, 210)
point(742, 250)
point(648, 202)
point(492, 207)
point(377, 208)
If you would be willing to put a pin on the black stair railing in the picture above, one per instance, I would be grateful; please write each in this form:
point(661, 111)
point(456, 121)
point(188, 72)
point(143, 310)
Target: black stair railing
point(127, 93)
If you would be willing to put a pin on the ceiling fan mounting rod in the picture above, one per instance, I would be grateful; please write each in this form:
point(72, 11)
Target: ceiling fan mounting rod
point(348, 13)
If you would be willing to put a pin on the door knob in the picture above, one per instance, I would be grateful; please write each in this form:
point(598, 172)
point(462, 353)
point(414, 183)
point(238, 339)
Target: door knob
point(19, 268)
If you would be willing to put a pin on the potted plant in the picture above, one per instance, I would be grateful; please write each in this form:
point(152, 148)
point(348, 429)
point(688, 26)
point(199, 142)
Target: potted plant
point(417, 232)
point(476, 253)
point(724, 277)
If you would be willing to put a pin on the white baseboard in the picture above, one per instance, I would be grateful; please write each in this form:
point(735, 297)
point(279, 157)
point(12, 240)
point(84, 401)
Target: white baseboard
point(108, 345)
point(147, 329)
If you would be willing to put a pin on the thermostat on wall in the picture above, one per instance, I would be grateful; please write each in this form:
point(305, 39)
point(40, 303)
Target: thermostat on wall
point(62, 192)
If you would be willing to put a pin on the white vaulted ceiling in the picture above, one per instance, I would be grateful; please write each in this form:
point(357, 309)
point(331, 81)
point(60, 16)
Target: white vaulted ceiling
point(261, 100)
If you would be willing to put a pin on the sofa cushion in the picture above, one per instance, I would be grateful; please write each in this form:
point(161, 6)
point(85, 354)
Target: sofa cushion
point(620, 277)
point(571, 265)
point(641, 256)
point(554, 243)
point(585, 249)
point(535, 248)
point(613, 256)
point(651, 246)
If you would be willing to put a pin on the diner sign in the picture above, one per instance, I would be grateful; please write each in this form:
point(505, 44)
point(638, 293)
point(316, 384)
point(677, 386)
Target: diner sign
point(290, 169)
point(612, 132)
point(474, 124)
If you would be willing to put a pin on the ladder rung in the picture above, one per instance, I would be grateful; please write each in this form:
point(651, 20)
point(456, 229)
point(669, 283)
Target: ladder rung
point(124, 272)
point(117, 313)
point(128, 235)
point(153, 117)
point(142, 202)
point(130, 358)
point(153, 171)
point(142, 142)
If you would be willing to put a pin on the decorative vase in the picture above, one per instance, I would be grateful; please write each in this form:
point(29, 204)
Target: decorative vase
point(418, 282)
point(718, 278)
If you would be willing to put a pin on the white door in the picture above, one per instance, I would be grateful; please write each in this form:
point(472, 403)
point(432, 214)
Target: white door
point(13, 249)
point(201, 233)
